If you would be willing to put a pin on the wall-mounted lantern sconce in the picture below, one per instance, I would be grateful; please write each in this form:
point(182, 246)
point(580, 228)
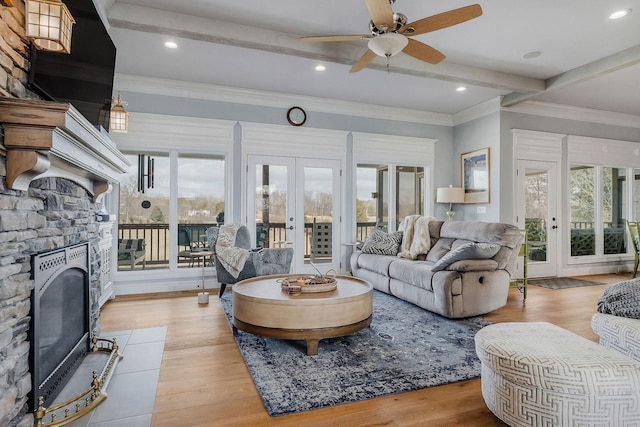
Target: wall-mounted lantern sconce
point(48, 24)
point(119, 116)
point(149, 174)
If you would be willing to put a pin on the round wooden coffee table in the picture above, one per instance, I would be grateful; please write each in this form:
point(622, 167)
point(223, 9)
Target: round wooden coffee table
point(261, 307)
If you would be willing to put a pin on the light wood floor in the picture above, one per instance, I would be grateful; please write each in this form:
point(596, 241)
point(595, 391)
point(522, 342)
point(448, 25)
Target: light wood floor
point(204, 381)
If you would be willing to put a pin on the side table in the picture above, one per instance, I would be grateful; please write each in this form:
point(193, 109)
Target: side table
point(203, 297)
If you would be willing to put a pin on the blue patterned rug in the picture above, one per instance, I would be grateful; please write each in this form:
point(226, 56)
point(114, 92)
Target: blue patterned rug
point(405, 348)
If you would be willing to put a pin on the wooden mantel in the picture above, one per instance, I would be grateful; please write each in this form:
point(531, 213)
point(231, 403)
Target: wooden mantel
point(43, 138)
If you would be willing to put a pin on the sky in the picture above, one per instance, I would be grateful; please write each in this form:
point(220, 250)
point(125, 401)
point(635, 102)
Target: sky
point(204, 177)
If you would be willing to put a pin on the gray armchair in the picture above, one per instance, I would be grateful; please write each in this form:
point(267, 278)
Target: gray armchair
point(265, 262)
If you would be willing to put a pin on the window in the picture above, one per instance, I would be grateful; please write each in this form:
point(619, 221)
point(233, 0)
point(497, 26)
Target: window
point(373, 197)
point(614, 209)
point(636, 195)
point(598, 199)
point(410, 200)
point(200, 203)
point(368, 210)
point(146, 215)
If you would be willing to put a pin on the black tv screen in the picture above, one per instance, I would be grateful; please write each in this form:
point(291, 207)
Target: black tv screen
point(85, 76)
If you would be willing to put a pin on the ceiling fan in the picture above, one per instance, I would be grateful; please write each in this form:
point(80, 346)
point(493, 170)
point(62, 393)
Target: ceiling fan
point(390, 33)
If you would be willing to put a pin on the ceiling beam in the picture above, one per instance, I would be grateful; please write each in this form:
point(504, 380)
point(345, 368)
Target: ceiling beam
point(599, 67)
point(126, 16)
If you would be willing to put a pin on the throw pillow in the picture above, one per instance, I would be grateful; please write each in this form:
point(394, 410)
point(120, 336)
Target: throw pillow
point(381, 243)
point(467, 251)
point(621, 299)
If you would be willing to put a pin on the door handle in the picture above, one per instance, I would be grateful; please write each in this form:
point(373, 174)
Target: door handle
point(291, 227)
point(553, 227)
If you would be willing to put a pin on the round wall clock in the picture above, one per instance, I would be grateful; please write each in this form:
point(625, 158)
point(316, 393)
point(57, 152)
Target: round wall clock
point(296, 116)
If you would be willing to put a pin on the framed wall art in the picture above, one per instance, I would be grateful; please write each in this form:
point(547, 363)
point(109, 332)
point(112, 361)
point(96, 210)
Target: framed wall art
point(475, 175)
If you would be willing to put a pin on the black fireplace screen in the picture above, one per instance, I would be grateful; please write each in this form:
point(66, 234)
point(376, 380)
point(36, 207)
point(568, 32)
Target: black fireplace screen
point(59, 332)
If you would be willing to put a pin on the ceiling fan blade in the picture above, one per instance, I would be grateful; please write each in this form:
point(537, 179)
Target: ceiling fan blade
point(423, 52)
point(364, 60)
point(442, 20)
point(381, 14)
point(336, 38)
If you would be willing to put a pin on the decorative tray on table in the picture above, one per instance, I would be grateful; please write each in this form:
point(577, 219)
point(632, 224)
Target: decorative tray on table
point(308, 284)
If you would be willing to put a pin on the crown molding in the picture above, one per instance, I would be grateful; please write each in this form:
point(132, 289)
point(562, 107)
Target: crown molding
point(568, 112)
point(477, 111)
point(209, 92)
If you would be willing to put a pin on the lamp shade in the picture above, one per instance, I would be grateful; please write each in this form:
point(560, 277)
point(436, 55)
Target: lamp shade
point(450, 195)
point(388, 44)
point(48, 23)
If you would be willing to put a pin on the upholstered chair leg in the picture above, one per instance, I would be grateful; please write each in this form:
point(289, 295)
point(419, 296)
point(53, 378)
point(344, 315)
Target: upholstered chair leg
point(222, 288)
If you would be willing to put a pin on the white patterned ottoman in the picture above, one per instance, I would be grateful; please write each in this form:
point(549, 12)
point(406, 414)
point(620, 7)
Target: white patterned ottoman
point(538, 374)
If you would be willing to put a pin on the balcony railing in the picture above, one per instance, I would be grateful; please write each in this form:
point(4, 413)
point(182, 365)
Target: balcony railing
point(156, 237)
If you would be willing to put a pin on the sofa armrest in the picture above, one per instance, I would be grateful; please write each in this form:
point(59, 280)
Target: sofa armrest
point(473, 265)
point(618, 333)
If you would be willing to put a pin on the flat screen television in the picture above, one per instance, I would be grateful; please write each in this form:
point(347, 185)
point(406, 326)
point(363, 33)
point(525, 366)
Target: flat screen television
point(84, 77)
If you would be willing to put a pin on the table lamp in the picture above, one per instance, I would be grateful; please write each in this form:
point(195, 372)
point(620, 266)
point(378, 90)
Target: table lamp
point(450, 195)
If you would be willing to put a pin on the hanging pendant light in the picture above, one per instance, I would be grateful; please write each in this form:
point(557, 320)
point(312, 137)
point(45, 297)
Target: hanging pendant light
point(119, 116)
point(48, 24)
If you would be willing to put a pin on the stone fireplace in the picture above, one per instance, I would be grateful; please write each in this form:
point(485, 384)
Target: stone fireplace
point(57, 168)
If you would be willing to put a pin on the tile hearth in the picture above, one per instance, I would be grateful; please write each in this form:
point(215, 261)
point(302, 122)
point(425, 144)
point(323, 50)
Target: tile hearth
point(132, 391)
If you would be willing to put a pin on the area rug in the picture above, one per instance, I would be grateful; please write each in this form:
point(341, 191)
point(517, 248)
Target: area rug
point(562, 283)
point(405, 348)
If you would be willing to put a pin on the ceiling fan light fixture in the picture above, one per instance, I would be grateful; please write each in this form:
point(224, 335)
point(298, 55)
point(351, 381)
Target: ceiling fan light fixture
point(388, 44)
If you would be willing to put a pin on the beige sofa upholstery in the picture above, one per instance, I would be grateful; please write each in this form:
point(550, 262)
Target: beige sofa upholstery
point(467, 287)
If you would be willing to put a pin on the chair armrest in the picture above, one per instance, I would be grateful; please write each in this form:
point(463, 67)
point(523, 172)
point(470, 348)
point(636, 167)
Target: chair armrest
point(280, 256)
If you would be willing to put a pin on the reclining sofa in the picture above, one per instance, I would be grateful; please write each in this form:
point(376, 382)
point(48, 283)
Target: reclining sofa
point(465, 272)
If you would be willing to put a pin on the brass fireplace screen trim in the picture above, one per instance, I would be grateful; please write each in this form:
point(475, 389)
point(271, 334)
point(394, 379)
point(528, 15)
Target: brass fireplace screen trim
point(90, 398)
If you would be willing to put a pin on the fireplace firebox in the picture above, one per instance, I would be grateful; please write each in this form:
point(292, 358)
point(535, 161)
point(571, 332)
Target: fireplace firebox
point(59, 332)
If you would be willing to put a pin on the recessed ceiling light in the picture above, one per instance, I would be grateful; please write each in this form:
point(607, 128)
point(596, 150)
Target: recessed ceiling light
point(320, 68)
point(531, 55)
point(171, 45)
point(619, 14)
point(461, 89)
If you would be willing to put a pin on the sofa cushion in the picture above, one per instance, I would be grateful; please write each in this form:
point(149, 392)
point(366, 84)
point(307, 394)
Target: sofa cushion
point(496, 233)
point(416, 273)
point(439, 249)
point(377, 263)
point(381, 243)
point(469, 250)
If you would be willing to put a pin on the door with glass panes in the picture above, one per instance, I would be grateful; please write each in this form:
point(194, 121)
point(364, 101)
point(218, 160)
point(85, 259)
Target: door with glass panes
point(296, 202)
point(536, 202)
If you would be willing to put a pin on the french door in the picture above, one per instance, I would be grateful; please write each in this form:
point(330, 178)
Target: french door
point(536, 211)
point(294, 201)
